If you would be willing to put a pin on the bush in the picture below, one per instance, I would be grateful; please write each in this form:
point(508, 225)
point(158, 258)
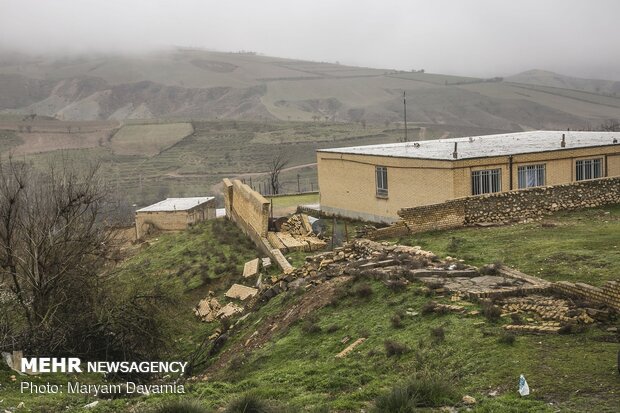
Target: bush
point(310, 325)
point(363, 290)
point(438, 334)
point(394, 348)
point(516, 319)
point(181, 406)
point(507, 338)
point(491, 269)
point(428, 307)
point(397, 286)
point(397, 321)
point(491, 312)
point(423, 390)
point(248, 403)
point(333, 328)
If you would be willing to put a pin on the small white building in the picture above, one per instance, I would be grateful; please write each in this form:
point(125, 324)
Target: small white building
point(174, 214)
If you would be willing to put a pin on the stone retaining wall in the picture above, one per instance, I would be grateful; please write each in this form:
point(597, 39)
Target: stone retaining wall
point(505, 207)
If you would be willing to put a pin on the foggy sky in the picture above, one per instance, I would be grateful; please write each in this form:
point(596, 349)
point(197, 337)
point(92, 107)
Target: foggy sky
point(467, 37)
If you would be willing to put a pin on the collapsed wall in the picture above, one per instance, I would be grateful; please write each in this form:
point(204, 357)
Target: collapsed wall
point(250, 211)
point(504, 207)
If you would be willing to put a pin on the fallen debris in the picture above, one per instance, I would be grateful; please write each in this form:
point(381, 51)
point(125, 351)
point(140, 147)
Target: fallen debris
point(250, 268)
point(229, 310)
point(241, 292)
point(208, 308)
point(350, 348)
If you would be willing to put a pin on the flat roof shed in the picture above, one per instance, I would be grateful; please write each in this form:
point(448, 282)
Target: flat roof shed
point(176, 204)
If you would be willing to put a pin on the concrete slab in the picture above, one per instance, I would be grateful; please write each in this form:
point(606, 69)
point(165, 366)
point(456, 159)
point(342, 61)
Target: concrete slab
point(250, 269)
point(241, 292)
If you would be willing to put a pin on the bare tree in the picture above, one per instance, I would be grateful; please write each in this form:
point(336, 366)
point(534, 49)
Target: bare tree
point(610, 125)
point(58, 282)
point(278, 163)
point(52, 244)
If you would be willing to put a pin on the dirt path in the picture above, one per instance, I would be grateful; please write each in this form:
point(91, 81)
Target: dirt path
point(176, 174)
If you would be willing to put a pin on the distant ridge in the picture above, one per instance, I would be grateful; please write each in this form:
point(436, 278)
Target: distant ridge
point(200, 84)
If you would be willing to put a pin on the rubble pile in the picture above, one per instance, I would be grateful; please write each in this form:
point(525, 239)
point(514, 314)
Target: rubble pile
point(359, 257)
point(207, 308)
point(295, 234)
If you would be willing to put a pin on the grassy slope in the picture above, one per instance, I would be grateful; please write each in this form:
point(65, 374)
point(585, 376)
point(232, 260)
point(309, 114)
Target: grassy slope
point(578, 246)
point(575, 373)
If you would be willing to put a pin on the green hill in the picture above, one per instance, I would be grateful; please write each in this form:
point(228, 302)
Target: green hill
point(283, 352)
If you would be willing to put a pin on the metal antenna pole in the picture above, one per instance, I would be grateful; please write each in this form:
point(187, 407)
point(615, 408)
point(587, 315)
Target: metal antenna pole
point(405, 112)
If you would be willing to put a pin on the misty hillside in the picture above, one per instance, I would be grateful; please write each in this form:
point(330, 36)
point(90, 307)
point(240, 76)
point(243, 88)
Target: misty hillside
point(213, 85)
point(545, 78)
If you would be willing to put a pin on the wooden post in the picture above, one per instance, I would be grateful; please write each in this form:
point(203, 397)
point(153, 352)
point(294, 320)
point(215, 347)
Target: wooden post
point(298, 187)
point(346, 231)
point(333, 231)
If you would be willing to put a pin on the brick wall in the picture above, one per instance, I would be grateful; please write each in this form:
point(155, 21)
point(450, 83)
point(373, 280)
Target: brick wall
point(609, 294)
point(507, 206)
point(450, 214)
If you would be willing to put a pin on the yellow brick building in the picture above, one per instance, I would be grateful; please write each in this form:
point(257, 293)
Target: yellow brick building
point(373, 182)
point(174, 214)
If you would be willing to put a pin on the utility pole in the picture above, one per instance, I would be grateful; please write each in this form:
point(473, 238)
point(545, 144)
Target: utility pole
point(405, 112)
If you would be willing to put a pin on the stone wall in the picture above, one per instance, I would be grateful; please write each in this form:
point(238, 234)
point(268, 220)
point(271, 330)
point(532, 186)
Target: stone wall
point(536, 202)
point(506, 207)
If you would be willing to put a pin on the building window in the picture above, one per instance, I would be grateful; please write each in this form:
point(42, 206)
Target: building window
point(382, 181)
point(531, 176)
point(486, 182)
point(588, 169)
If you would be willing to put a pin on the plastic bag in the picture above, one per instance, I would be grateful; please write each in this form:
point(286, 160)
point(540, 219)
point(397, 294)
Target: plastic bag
point(524, 389)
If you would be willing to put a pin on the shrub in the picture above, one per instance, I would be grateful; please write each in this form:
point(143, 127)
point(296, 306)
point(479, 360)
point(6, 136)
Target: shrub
point(428, 307)
point(310, 326)
point(507, 338)
point(397, 321)
point(516, 319)
point(394, 348)
point(455, 244)
point(248, 403)
point(423, 390)
point(333, 328)
point(181, 406)
point(491, 312)
point(491, 269)
point(363, 290)
point(438, 334)
point(397, 286)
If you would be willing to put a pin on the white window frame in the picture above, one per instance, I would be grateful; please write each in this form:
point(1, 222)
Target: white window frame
point(586, 169)
point(531, 176)
point(486, 181)
point(381, 180)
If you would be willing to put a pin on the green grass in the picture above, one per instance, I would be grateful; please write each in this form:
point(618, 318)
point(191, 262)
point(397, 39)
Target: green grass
point(148, 140)
point(580, 246)
point(298, 368)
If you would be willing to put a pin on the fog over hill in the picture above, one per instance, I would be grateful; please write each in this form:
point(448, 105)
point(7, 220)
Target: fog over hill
point(194, 83)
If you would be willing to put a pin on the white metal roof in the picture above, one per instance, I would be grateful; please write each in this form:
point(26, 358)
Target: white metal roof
point(176, 204)
point(485, 146)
